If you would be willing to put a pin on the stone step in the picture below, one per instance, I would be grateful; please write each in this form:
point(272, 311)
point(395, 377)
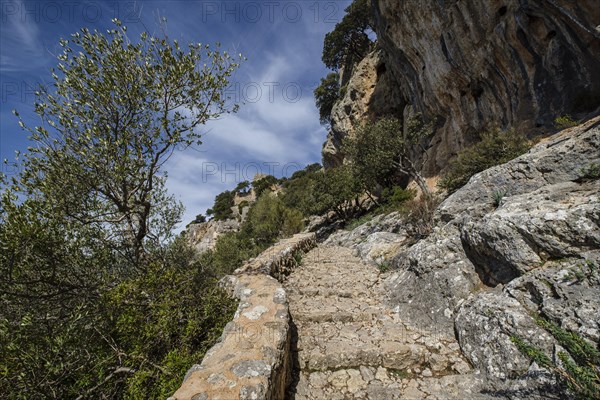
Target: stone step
point(314, 309)
point(349, 343)
point(385, 384)
point(325, 293)
point(374, 342)
point(351, 354)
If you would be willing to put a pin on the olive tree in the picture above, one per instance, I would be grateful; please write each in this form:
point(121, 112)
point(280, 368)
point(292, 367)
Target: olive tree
point(381, 150)
point(116, 112)
point(90, 212)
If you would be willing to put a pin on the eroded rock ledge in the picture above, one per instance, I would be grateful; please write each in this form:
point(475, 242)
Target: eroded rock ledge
point(251, 360)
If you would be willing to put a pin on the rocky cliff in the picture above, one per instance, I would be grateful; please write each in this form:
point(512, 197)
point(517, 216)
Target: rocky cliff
point(203, 236)
point(371, 92)
point(474, 65)
point(490, 267)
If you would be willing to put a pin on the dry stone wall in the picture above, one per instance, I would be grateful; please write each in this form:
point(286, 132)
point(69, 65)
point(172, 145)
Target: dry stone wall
point(252, 358)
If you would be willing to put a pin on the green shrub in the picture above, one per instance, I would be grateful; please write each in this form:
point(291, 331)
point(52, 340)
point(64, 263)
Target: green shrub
point(381, 153)
point(299, 191)
point(269, 219)
point(339, 191)
point(326, 94)
point(293, 222)
point(165, 321)
point(396, 196)
point(591, 172)
point(579, 369)
point(263, 184)
point(497, 196)
point(230, 252)
point(222, 207)
point(494, 148)
point(564, 122)
point(384, 267)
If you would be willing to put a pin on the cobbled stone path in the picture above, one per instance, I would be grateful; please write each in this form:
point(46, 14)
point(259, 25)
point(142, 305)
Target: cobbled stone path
point(350, 345)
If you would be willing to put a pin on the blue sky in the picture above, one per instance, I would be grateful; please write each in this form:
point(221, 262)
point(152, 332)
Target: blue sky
point(277, 129)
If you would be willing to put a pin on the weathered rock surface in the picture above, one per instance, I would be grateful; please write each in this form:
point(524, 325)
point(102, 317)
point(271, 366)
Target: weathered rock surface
point(204, 236)
point(541, 242)
point(555, 160)
point(490, 63)
point(555, 221)
point(370, 92)
point(351, 345)
point(252, 358)
point(432, 279)
point(376, 241)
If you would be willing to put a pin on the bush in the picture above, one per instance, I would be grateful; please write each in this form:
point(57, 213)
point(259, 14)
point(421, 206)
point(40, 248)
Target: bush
point(293, 222)
point(131, 338)
point(165, 321)
point(269, 219)
point(338, 190)
point(380, 152)
point(494, 148)
point(230, 252)
point(396, 196)
point(579, 369)
point(222, 207)
point(299, 191)
point(263, 184)
point(564, 122)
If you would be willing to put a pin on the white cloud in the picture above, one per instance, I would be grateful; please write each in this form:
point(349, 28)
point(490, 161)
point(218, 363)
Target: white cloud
point(22, 47)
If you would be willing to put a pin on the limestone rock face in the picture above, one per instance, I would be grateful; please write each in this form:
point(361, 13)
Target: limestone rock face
point(370, 92)
point(556, 221)
point(204, 236)
point(487, 268)
point(376, 241)
point(473, 66)
point(476, 64)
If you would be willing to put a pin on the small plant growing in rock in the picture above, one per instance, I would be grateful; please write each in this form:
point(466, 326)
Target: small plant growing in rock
point(497, 197)
point(384, 267)
point(581, 272)
point(494, 148)
point(297, 257)
point(591, 172)
point(579, 369)
point(564, 122)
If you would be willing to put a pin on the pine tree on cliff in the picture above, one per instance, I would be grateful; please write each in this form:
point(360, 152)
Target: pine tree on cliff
point(349, 40)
